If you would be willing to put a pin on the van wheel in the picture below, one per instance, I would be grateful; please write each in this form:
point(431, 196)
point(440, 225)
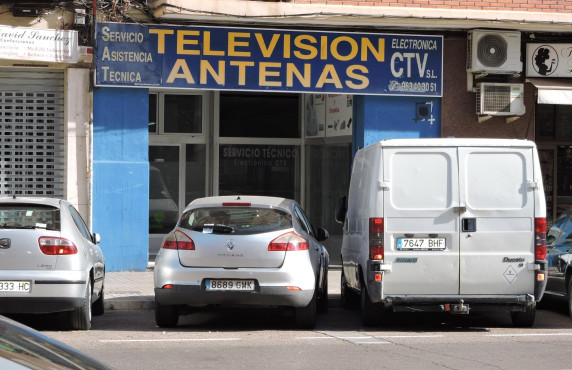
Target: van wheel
point(347, 297)
point(166, 316)
point(371, 313)
point(570, 299)
point(306, 316)
point(524, 319)
point(81, 317)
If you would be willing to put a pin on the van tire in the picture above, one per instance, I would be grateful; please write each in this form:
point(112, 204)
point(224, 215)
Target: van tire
point(306, 316)
point(347, 296)
point(371, 313)
point(570, 298)
point(524, 319)
point(166, 316)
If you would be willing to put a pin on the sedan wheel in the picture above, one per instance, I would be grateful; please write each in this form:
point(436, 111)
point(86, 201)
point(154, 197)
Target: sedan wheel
point(570, 299)
point(166, 316)
point(98, 307)
point(306, 316)
point(81, 317)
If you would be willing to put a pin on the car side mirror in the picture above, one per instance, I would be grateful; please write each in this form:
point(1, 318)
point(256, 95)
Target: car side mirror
point(322, 234)
point(341, 209)
point(96, 238)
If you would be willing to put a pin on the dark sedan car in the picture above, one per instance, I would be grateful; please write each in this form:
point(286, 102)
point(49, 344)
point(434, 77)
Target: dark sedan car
point(559, 255)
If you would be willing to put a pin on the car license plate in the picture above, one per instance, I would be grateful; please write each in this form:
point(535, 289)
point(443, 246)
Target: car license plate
point(14, 286)
point(230, 285)
point(426, 244)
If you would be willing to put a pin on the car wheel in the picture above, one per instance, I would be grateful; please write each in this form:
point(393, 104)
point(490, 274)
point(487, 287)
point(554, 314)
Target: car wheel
point(371, 313)
point(166, 316)
point(323, 300)
point(306, 316)
point(524, 319)
point(81, 316)
point(347, 297)
point(98, 307)
point(570, 298)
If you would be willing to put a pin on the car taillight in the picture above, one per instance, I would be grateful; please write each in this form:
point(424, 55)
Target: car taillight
point(376, 238)
point(56, 246)
point(288, 242)
point(540, 238)
point(178, 240)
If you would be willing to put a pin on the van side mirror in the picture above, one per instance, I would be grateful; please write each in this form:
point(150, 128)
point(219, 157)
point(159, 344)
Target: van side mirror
point(341, 209)
point(322, 234)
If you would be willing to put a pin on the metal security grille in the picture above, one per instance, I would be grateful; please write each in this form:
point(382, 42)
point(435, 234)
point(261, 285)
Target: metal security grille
point(493, 98)
point(31, 133)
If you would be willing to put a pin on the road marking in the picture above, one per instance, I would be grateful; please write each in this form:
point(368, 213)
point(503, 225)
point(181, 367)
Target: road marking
point(354, 337)
point(166, 340)
point(409, 336)
point(530, 335)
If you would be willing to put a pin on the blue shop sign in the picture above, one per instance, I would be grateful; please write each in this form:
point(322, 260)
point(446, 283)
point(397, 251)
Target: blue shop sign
point(251, 59)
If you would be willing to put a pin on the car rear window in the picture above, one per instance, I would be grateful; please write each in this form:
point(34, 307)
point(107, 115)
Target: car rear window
point(29, 216)
point(236, 220)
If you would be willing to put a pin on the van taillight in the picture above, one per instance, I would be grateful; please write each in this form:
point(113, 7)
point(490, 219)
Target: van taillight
point(288, 242)
point(540, 238)
point(376, 238)
point(178, 240)
point(56, 246)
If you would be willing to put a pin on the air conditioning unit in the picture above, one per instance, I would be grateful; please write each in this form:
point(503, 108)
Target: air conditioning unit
point(493, 52)
point(500, 99)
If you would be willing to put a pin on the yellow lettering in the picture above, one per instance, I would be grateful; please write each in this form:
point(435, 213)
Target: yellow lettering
point(298, 41)
point(182, 41)
point(305, 79)
point(267, 50)
point(324, 48)
point(207, 45)
point(161, 38)
point(329, 70)
point(181, 70)
point(233, 44)
point(378, 53)
point(217, 76)
point(287, 46)
point(335, 52)
point(264, 73)
point(351, 72)
point(242, 70)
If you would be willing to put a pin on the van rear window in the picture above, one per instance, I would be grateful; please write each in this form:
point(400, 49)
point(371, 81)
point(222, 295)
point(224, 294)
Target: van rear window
point(29, 216)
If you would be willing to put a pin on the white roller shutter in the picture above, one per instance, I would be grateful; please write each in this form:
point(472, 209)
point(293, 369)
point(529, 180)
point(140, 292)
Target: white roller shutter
point(31, 133)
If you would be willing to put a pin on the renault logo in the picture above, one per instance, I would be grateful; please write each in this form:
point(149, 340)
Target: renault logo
point(230, 245)
point(4, 243)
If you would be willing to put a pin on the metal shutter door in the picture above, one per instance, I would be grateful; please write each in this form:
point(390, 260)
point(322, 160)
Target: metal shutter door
point(31, 133)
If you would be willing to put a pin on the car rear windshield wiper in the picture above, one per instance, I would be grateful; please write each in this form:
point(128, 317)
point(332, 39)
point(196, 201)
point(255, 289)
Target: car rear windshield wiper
point(210, 228)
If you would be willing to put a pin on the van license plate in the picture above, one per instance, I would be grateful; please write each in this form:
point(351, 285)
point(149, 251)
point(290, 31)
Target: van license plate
point(421, 244)
point(230, 285)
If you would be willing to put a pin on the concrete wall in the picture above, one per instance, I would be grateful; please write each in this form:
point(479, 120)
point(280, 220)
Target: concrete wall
point(121, 176)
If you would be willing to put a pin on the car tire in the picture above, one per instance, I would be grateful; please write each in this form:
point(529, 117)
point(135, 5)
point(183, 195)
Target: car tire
point(347, 297)
point(570, 299)
point(81, 317)
point(323, 300)
point(166, 316)
point(371, 313)
point(98, 307)
point(524, 319)
point(306, 316)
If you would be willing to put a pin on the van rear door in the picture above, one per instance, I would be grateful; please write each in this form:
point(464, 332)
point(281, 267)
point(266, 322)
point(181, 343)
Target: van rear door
point(497, 220)
point(421, 225)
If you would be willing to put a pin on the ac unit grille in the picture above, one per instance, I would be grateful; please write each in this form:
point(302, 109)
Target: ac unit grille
point(492, 50)
point(495, 98)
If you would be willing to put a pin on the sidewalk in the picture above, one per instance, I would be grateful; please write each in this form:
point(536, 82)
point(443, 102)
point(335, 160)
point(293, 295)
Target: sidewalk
point(134, 290)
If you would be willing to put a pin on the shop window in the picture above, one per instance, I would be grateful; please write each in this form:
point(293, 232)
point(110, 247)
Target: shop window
point(153, 119)
point(553, 122)
point(175, 113)
point(270, 115)
point(163, 188)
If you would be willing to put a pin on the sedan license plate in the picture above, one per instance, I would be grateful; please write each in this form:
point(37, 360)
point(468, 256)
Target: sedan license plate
point(421, 244)
point(230, 285)
point(14, 286)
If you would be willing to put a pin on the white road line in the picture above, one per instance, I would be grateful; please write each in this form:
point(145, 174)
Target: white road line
point(166, 340)
point(530, 335)
point(408, 336)
point(311, 338)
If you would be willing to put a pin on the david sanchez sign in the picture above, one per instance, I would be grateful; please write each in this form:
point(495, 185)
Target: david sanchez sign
point(218, 58)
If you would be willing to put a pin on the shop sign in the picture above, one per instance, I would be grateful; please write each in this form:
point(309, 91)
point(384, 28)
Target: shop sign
point(219, 58)
point(44, 45)
point(549, 60)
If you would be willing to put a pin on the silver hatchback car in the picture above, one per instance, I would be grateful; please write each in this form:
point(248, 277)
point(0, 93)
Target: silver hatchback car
point(49, 261)
point(242, 250)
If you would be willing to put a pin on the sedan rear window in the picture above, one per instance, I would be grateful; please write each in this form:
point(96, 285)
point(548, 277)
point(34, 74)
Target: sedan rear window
point(236, 220)
point(29, 216)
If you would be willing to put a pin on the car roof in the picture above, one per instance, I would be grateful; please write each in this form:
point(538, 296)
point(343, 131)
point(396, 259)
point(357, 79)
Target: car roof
point(254, 200)
point(55, 202)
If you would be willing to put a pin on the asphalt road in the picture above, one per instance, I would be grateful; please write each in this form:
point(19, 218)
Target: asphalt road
point(264, 339)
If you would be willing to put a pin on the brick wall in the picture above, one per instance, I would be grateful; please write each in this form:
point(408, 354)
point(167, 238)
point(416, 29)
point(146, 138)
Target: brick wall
point(552, 6)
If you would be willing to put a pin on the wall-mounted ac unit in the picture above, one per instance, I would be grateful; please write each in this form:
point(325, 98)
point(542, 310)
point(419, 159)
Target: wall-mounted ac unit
point(493, 52)
point(500, 99)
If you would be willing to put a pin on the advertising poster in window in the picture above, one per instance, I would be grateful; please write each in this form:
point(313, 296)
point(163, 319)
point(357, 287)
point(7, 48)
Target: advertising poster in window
point(339, 109)
point(315, 114)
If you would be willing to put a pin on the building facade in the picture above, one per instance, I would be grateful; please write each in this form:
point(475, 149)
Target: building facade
point(199, 98)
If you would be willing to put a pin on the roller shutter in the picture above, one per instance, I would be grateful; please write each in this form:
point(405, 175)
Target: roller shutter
point(31, 133)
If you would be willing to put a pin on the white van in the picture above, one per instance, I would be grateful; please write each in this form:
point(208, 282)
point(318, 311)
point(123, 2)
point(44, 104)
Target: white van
point(451, 225)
